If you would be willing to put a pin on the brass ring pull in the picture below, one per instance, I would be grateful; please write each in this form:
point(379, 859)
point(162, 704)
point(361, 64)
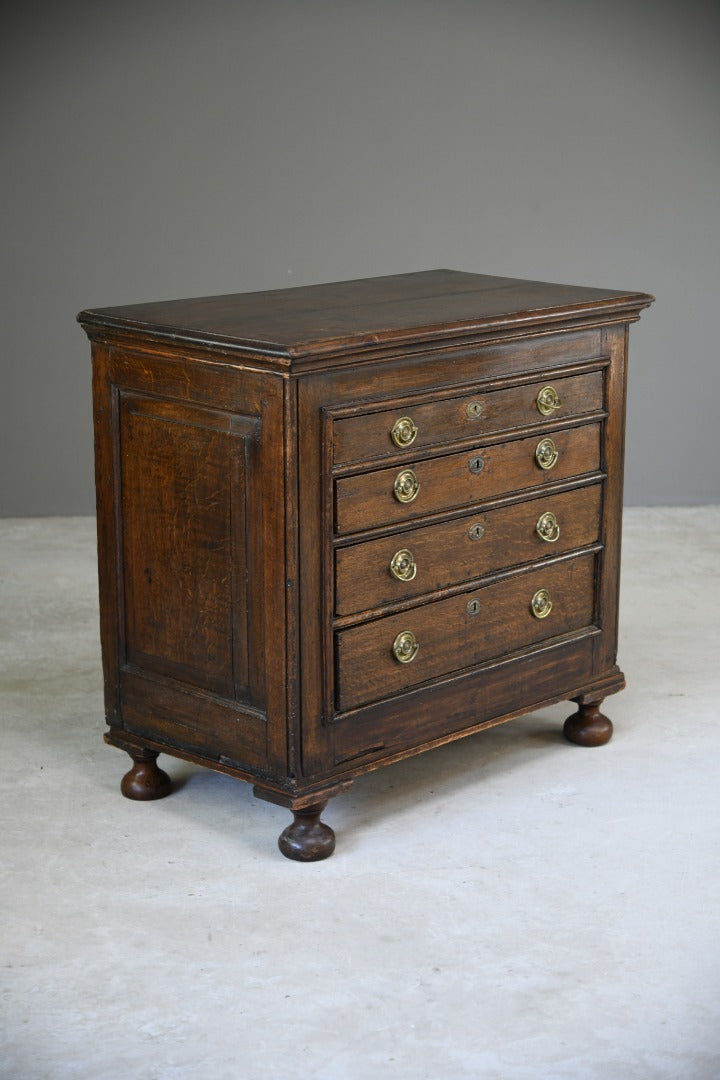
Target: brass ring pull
point(547, 528)
point(406, 486)
point(541, 604)
point(403, 565)
point(404, 432)
point(548, 401)
point(405, 647)
point(546, 453)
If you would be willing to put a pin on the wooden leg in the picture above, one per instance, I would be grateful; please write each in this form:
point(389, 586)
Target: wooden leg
point(588, 726)
point(308, 839)
point(145, 780)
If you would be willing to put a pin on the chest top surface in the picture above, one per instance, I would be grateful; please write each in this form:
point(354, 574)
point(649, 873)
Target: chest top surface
point(349, 316)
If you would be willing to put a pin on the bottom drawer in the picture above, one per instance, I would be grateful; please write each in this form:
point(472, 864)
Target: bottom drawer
point(386, 656)
point(471, 699)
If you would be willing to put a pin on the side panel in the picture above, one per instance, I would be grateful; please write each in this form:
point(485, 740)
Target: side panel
point(613, 461)
point(191, 524)
point(185, 505)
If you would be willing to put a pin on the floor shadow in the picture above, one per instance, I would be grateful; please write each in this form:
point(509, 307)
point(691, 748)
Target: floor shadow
point(431, 776)
point(426, 778)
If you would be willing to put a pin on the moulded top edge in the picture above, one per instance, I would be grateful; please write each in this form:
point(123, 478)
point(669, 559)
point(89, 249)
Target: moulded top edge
point(354, 316)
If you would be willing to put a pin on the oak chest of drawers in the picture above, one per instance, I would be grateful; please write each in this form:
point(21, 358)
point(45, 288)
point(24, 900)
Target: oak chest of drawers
point(342, 524)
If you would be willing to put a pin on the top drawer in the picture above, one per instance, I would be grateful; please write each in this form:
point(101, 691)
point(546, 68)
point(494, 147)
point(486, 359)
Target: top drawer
point(388, 431)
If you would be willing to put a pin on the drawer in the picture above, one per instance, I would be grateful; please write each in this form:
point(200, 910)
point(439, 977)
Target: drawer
point(379, 434)
point(436, 556)
point(449, 637)
point(443, 483)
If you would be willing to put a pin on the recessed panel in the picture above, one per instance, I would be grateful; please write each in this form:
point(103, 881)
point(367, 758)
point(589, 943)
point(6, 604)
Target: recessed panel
point(184, 545)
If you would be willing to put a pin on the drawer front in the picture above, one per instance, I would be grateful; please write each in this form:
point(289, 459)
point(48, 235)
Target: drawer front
point(421, 560)
point(444, 483)
point(473, 698)
point(379, 434)
point(449, 637)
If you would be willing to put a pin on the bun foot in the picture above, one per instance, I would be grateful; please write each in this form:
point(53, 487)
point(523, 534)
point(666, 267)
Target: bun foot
point(308, 839)
point(588, 726)
point(145, 780)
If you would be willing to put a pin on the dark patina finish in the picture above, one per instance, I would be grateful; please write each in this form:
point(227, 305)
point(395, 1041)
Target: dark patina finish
point(342, 524)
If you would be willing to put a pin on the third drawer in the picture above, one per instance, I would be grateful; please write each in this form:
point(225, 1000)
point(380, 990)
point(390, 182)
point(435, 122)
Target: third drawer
point(422, 560)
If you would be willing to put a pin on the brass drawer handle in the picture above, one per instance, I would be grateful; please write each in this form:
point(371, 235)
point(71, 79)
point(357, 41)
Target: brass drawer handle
point(548, 400)
point(403, 565)
point(546, 453)
point(404, 432)
point(547, 527)
point(541, 604)
point(406, 486)
point(405, 647)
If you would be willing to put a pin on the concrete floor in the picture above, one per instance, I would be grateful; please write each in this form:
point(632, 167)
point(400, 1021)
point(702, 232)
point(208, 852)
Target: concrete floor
point(507, 907)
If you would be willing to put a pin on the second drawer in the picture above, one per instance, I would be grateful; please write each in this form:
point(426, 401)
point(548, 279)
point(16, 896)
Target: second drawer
point(384, 496)
point(378, 434)
point(395, 568)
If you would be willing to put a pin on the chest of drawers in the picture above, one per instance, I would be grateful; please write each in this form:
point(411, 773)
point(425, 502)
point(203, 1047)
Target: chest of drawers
point(342, 524)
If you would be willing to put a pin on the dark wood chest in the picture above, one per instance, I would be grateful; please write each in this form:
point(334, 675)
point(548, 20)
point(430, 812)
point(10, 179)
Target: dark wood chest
point(343, 524)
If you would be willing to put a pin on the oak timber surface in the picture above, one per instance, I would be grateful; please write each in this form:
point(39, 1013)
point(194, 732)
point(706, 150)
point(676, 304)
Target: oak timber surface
point(248, 524)
point(317, 317)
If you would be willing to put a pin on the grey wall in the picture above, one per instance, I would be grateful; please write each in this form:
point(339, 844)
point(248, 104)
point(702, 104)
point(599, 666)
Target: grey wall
point(173, 149)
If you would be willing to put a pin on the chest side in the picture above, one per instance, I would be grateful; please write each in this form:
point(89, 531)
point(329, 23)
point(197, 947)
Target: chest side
point(191, 492)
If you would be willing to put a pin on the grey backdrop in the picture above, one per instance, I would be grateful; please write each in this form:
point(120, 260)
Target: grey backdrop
point(160, 150)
